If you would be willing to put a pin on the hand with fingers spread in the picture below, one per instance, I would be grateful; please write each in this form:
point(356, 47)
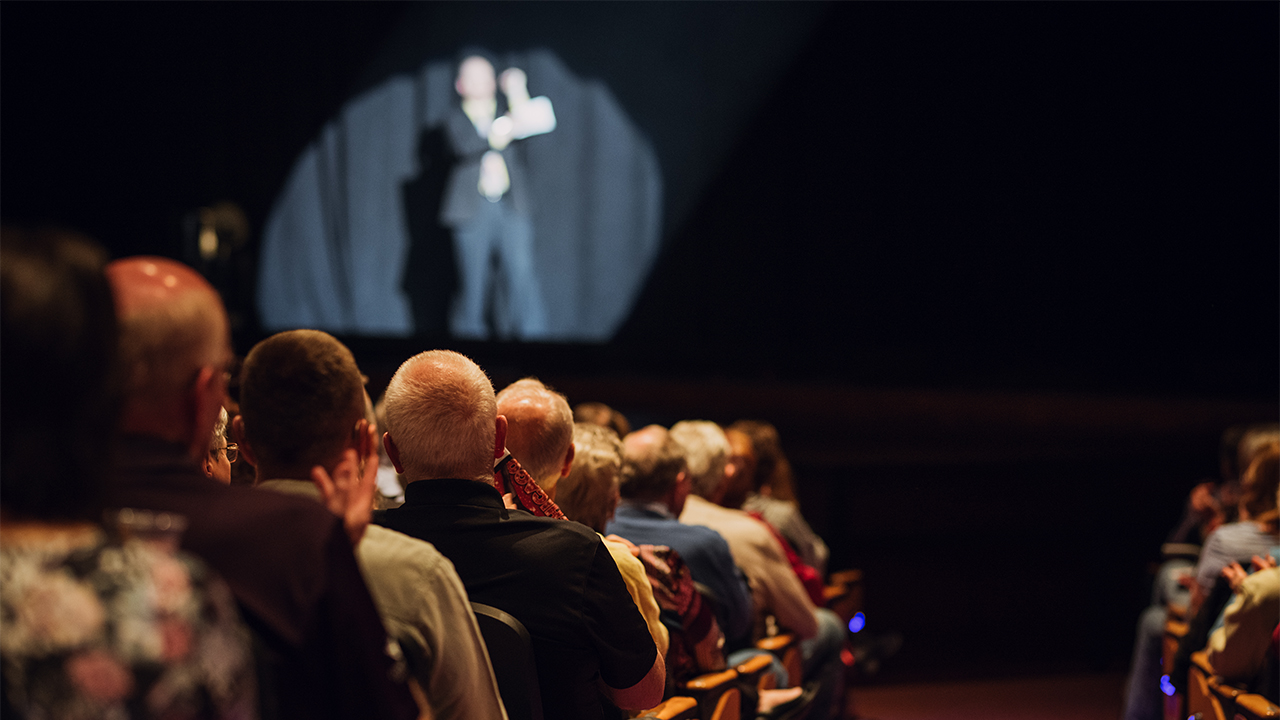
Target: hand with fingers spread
point(349, 492)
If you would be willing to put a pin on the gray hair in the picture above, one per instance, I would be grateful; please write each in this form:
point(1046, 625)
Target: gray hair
point(219, 429)
point(590, 493)
point(706, 452)
point(440, 415)
point(539, 427)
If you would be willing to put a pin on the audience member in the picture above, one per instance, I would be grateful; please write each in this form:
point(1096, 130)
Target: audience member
point(304, 415)
point(321, 645)
point(539, 431)
point(90, 626)
point(1254, 534)
point(591, 645)
point(589, 493)
point(597, 413)
point(654, 488)
point(217, 462)
point(1238, 650)
point(775, 588)
point(772, 470)
point(592, 488)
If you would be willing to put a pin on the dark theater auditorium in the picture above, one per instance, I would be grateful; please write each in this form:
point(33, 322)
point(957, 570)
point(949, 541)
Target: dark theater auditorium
point(871, 361)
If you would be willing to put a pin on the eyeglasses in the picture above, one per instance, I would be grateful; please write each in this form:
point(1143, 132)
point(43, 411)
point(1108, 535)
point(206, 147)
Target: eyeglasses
point(232, 450)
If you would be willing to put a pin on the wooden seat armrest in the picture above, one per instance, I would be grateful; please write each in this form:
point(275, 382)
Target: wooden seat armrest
point(1176, 612)
point(1200, 659)
point(776, 643)
point(711, 681)
point(1175, 628)
point(1224, 689)
point(846, 577)
point(1250, 705)
point(674, 708)
point(753, 665)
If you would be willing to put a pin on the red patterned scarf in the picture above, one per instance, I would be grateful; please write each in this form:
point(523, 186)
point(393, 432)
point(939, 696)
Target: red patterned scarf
point(509, 477)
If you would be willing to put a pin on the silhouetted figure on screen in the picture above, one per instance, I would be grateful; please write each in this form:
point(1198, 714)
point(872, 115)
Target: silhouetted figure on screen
point(485, 203)
point(430, 271)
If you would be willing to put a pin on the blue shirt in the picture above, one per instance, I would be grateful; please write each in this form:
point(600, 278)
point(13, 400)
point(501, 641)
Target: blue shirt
point(704, 552)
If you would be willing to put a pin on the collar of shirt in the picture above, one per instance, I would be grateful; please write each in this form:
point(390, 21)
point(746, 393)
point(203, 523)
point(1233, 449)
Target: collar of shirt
point(654, 507)
point(452, 491)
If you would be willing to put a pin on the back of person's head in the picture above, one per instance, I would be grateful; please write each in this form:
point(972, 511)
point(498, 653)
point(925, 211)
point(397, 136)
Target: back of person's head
point(590, 492)
point(772, 469)
point(172, 323)
point(301, 395)
point(441, 414)
point(1254, 440)
point(1261, 482)
point(706, 452)
point(651, 464)
point(60, 382)
point(539, 428)
point(600, 414)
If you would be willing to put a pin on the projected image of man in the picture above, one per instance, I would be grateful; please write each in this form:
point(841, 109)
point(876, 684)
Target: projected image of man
point(486, 206)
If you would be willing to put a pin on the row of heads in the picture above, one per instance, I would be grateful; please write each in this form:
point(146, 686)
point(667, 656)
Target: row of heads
point(143, 344)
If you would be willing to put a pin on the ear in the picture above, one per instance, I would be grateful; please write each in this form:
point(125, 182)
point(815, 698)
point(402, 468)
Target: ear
point(207, 466)
point(393, 453)
point(568, 461)
point(246, 448)
point(500, 437)
point(207, 396)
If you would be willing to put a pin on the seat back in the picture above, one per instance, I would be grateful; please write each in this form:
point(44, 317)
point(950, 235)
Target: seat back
point(511, 653)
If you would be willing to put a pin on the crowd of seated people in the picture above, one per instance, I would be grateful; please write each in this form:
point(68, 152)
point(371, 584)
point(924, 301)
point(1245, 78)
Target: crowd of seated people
point(140, 578)
point(1216, 598)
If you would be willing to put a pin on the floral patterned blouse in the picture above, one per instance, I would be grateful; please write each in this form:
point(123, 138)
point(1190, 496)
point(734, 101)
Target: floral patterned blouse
point(119, 630)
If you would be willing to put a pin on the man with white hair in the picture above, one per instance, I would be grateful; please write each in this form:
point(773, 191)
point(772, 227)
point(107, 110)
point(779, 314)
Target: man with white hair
point(591, 645)
point(775, 588)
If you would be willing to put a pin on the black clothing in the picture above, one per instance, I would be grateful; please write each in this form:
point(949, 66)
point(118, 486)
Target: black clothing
point(554, 576)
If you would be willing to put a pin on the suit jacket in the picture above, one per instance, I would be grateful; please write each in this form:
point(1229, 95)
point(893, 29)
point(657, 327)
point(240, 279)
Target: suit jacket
point(320, 646)
point(461, 195)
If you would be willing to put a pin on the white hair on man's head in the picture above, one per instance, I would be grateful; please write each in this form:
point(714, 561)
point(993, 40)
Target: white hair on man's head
point(706, 452)
point(539, 427)
point(219, 430)
point(440, 415)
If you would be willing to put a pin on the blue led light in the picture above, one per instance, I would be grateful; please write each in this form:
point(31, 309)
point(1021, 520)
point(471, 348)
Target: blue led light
point(857, 623)
point(1167, 686)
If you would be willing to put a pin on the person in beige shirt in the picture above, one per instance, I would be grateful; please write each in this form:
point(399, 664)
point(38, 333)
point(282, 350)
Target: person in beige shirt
point(775, 589)
point(303, 427)
point(1238, 649)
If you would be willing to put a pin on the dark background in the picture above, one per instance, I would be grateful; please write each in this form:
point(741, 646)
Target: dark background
point(1001, 273)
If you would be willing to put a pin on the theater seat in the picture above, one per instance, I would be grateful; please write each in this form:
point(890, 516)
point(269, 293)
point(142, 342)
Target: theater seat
point(1255, 707)
point(717, 695)
point(786, 648)
point(511, 654)
point(675, 708)
point(1200, 697)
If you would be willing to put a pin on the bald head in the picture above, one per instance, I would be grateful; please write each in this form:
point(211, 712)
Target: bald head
point(442, 418)
point(174, 346)
point(539, 430)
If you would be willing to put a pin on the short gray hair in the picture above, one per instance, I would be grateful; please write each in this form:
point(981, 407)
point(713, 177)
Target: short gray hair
point(706, 453)
point(440, 415)
point(590, 493)
point(539, 427)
